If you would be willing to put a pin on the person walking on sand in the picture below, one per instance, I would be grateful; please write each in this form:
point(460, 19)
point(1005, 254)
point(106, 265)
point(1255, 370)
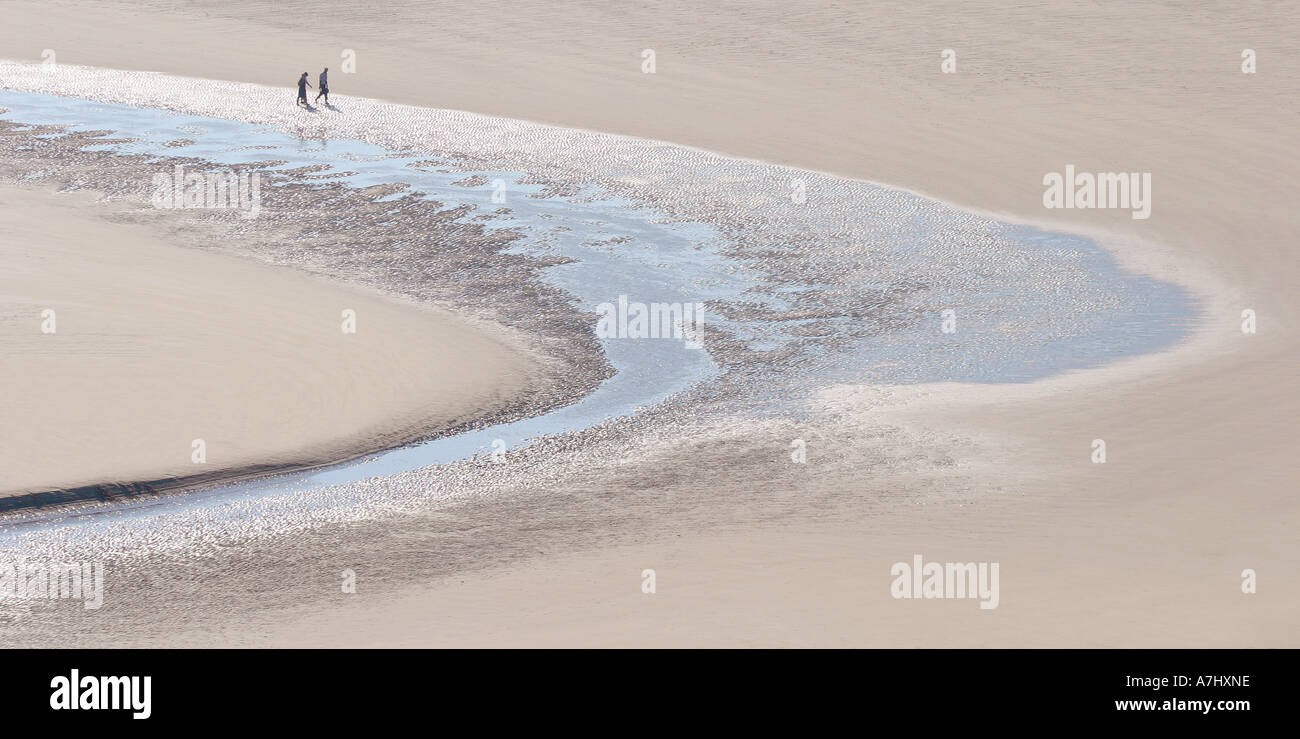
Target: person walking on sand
point(324, 86)
point(303, 84)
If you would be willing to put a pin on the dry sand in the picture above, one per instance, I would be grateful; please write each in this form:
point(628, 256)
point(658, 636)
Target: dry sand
point(1145, 550)
point(154, 347)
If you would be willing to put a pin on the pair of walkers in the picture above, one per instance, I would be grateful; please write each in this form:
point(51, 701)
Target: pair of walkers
point(303, 84)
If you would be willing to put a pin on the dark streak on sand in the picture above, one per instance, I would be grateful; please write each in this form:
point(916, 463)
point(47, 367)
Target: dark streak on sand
point(117, 491)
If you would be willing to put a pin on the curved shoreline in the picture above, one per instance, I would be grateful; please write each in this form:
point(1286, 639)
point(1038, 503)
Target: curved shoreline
point(78, 77)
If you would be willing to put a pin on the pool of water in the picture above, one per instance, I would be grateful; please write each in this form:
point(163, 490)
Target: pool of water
point(852, 288)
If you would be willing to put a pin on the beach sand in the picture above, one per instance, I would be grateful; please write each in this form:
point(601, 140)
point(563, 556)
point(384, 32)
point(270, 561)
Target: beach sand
point(1146, 550)
point(154, 347)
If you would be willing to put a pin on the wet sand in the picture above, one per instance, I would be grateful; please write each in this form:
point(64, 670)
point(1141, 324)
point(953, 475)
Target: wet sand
point(1146, 550)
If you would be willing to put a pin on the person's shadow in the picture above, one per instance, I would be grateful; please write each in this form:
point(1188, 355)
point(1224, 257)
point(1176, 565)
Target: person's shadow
point(331, 107)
